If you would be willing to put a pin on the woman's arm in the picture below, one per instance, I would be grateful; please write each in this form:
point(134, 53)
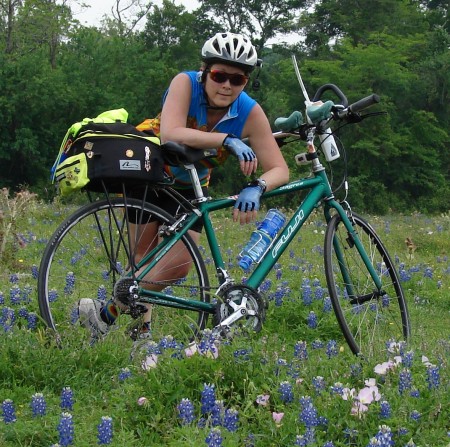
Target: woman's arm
point(174, 118)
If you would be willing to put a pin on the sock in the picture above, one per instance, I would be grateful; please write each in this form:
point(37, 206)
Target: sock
point(145, 327)
point(109, 312)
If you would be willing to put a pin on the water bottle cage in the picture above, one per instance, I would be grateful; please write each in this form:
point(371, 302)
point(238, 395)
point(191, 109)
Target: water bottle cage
point(241, 254)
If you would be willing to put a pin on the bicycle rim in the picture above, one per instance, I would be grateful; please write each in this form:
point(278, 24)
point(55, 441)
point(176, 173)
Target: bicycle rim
point(90, 252)
point(369, 320)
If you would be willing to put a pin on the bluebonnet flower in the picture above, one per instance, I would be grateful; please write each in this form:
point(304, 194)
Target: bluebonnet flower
point(319, 292)
point(14, 278)
point(65, 429)
point(52, 295)
point(407, 359)
point(2, 298)
point(32, 320)
point(102, 294)
point(15, 295)
point(23, 312)
point(337, 388)
point(332, 349)
point(307, 295)
point(38, 405)
point(405, 381)
point(105, 431)
point(300, 351)
point(279, 273)
point(312, 320)
point(34, 271)
point(208, 343)
point(9, 413)
point(428, 272)
point(66, 401)
point(415, 415)
point(70, 283)
point(186, 411)
point(124, 374)
point(286, 392)
point(383, 438)
point(241, 354)
point(308, 414)
point(231, 419)
point(208, 398)
point(385, 409)
point(7, 319)
point(415, 393)
point(217, 413)
point(318, 383)
point(214, 438)
point(433, 377)
point(317, 344)
point(328, 444)
point(327, 306)
point(249, 440)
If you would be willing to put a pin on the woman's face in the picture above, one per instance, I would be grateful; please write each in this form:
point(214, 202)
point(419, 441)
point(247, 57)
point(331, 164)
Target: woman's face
point(220, 88)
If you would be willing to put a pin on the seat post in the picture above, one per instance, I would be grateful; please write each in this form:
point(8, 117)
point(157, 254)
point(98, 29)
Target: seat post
point(193, 174)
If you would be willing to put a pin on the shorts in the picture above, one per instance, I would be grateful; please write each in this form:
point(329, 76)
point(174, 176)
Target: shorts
point(167, 203)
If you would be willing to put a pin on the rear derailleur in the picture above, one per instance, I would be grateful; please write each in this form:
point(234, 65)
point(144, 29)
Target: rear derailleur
point(126, 293)
point(239, 307)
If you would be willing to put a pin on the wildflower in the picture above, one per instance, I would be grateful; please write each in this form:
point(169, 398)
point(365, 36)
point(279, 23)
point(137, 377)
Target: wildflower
point(208, 345)
point(319, 384)
point(214, 438)
point(217, 413)
point(65, 429)
point(286, 393)
point(14, 278)
point(337, 388)
point(327, 306)
point(105, 431)
point(9, 413)
point(415, 415)
point(385, 410)
point(2, 298)
point(7, 319)
point(231, 419)
point(15, 295)
point(405, 380)
point(332, 349)
point(328, 444)
point(34, 271)
point(407, 359)
point(186, 411)
point(433, 378)
point(415, 393)
point(66, 399)
point(124, 374)
point(307, 295)
point(70, 283)
point(102, 294)
point(38, 405)
point(263, 399)
point(384, 367)
point(312, 320)
point(208, 398)
point(277, 417)
point(32, 320)
point(300, 351)
point(383, 438)
point(308, 414)
point(142, 401)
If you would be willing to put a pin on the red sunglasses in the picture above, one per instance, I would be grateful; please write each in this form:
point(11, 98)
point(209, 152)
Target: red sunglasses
point(220, 77)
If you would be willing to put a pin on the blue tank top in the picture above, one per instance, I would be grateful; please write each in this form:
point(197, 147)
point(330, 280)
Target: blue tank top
point(233, 122)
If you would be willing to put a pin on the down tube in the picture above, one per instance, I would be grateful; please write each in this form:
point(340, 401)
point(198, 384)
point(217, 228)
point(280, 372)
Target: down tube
point(283, 240)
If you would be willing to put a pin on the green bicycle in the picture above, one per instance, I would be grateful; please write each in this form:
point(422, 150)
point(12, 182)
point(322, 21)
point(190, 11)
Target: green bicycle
point(93, 252)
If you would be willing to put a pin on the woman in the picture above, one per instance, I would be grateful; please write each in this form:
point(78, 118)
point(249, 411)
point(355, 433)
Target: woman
point(204, 110)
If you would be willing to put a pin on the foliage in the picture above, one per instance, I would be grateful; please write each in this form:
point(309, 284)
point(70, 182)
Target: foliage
point(55, 72)
point(279, 383)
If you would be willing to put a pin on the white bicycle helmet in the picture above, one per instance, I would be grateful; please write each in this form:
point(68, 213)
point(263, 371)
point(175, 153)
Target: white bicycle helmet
point(230, 48)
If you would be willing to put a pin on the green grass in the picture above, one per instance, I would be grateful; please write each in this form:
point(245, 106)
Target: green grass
point(246, 367)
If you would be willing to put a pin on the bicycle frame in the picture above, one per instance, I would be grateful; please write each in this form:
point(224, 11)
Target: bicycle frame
point(319, 192)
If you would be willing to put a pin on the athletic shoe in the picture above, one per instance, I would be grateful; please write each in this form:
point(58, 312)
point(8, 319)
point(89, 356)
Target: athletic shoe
point(89, 315)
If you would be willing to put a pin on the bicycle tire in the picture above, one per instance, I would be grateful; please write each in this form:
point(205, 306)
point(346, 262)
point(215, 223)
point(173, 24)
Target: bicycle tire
point(90, 247)
point(369, 321)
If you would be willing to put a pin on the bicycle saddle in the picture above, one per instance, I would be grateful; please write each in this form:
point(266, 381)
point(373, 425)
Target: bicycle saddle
point(176, 154)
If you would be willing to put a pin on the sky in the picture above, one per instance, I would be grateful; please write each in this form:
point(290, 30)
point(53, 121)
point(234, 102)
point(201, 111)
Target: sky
point(98, 8)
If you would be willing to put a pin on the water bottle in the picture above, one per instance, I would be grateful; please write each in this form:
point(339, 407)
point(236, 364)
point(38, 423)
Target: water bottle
point(261, 239)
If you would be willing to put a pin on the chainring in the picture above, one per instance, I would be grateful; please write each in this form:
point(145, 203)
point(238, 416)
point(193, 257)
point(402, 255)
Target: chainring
point(245, 300)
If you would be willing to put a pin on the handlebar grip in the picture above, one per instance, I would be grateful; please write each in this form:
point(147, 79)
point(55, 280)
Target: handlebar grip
point(292, 122)
point(364, 103)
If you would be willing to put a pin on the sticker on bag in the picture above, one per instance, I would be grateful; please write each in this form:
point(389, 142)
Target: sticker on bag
point(72, 174)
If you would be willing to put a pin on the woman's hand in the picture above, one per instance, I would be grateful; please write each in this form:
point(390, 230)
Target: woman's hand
point(245, 155)
point(247, 204)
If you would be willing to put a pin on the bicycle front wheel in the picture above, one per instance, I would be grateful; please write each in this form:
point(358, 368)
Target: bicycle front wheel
point(369, 316)
point(94, 248)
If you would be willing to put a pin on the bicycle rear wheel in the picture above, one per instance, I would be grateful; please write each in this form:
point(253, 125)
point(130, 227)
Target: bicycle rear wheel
point(91, 250)
point(368, 317)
